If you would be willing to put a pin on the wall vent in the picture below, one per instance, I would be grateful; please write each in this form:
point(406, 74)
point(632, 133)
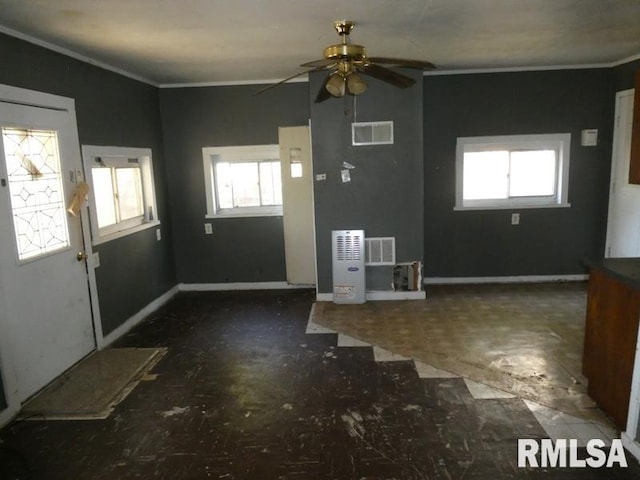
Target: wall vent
point(380, 251)
point(372, 133)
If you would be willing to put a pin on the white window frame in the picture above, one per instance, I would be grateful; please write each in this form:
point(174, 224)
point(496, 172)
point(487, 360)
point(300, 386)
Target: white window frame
point(119, 156)
point(560, 142)
point(212, 155)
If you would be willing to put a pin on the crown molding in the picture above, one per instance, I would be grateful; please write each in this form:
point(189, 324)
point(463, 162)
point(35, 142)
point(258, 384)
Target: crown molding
point(75, 55)
point(230, 83)
point(541, 68)
point(630, 59)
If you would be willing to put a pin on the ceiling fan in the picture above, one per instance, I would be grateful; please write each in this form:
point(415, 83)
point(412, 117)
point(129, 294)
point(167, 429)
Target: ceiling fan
point(346, 61)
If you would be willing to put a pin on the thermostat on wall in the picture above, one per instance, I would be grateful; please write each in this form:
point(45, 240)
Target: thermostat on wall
point(589, 137)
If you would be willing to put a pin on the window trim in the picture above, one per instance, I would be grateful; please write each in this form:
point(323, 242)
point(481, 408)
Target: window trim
point(115, 155)
point(236, 153)
point(561, 142)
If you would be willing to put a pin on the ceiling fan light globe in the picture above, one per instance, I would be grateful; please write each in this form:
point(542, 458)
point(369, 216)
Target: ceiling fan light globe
point(356, 84)
point(336, 85)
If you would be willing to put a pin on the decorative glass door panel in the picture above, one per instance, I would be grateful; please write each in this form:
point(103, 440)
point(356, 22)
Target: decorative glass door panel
point(37, 196)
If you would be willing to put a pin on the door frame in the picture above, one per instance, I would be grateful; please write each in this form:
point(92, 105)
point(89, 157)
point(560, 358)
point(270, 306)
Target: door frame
point(615, 164)
point(313, 204)
point(33, 98)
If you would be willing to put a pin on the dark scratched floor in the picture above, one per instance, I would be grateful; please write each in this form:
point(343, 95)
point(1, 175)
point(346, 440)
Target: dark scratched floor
point(243, 393)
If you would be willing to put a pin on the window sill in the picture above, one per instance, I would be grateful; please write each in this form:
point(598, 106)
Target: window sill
point(277, 212)
point(512, 207)
point(124, 233)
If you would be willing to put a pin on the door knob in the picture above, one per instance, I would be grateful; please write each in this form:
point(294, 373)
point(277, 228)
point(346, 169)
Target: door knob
point(80, 256)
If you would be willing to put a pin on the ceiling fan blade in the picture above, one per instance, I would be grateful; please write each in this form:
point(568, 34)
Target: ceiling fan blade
point(273, 85)
point(323, 93)
point(403, 62)
point(386, 75)
point(324, 62)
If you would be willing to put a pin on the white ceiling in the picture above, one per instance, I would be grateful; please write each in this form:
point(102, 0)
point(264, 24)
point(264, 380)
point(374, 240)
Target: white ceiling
point(218, 41)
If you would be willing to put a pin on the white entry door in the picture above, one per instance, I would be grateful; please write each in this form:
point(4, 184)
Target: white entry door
point(297, 204)
point(45, 316)
point(623, 229)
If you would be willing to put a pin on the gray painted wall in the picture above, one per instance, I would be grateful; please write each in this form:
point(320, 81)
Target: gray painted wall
point(111, 110)
point(385, 195)
point(548, 241)
point(240, 249)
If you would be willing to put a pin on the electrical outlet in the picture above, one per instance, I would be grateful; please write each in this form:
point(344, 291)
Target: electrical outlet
point(515, 219)
point(208, 229)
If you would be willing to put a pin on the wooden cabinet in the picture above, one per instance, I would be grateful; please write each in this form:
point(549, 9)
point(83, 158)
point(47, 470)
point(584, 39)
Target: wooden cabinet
point(611, 330)
point(634, 160)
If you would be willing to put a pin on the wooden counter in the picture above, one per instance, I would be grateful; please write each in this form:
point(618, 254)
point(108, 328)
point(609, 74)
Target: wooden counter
point(611, 331)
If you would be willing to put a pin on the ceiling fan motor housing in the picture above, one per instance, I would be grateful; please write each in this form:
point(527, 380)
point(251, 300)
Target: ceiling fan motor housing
point(347, 51)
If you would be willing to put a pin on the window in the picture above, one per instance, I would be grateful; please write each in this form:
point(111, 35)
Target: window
point(520, 171)
point(242, 181)
point(122, 191)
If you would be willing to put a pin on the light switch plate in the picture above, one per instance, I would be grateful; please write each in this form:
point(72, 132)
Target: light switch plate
point(589, 137)
point(208, 229)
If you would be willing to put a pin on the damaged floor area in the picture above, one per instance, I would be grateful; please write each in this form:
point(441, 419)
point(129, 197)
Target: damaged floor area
point(244, 392)
point(524, 339)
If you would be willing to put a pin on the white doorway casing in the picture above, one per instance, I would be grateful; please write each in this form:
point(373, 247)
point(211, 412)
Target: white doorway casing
point(297, 204)
point(623, 225)
point(46, 323)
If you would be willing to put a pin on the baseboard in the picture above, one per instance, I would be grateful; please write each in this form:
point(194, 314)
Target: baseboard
point(379, 295)
point(137, 318)
point(508, 279)
point(220, 287)
point(631, 445)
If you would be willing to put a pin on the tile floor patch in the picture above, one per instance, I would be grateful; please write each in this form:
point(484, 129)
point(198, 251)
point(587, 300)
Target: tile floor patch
point(382, 355)
point(348, 341)
point(561, 425)
point(480, 391)
point(428, 371)
point(506, 336)
point(314, 327)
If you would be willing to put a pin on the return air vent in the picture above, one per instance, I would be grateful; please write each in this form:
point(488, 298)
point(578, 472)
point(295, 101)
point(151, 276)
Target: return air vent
point(372, 133)
point(380, 251)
